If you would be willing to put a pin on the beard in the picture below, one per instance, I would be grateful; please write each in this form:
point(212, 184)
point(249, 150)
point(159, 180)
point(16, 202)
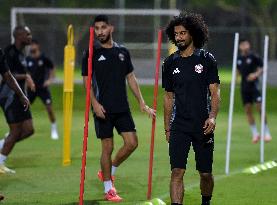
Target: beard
point(183, 45)
point(104, 40)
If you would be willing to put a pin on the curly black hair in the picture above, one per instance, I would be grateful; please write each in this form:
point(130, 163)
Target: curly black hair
point(194, 23)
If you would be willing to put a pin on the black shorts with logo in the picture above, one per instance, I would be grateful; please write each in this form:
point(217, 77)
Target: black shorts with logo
point(203, 146)
point(251, 96)
point(122, 122)
point(43, 93)
point(12, 107)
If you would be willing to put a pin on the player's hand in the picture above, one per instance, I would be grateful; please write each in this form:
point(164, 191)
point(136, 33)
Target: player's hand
point(30, 83)
point(99, 110)
point(209, 126)
point(252, 77)
point(46, 83)
point(26, 103)
point(145, 108)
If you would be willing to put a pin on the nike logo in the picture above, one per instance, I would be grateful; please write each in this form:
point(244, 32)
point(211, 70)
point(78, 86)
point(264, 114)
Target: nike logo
point(101, 58)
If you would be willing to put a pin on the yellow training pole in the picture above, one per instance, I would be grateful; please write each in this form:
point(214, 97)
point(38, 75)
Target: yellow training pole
point(69, 63)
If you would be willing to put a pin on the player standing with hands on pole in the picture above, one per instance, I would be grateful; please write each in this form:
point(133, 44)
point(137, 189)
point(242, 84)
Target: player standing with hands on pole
point(250, 68)
point(111, 67)
point(191, 103)
point(17, 115)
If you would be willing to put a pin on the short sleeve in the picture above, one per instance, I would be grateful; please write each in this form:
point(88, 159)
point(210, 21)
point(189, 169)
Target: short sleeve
point(212, 74)
point(258, 61)
point(167, 77)
point(85, 63)
point(130, 67)
point(49, 64)
point(3, 64)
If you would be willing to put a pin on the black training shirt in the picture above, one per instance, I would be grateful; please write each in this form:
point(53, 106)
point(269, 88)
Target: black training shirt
point(110, 67)
point(16, 61)
point(39, 69)
point(3, 65)
point(189, 79)
point(246, 65)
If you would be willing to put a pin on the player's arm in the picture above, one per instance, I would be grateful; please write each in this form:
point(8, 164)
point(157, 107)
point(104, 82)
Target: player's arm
point(29, 81)
point(12, 83)
point(210, 123)
point(255, 75)
point(168, 107)
point(51, 77)
point(133, 84)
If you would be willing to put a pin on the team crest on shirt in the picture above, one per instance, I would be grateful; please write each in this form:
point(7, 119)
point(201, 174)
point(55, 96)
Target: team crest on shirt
point(121, 56)
point(239, 62)
point(248, 60)
point(198, 68)
point(30, 64)
point(40, 63)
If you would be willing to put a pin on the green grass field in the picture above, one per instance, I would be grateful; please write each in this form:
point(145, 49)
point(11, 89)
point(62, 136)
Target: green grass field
point(41, 178)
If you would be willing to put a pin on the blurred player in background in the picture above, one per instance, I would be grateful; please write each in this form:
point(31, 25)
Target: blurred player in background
point(191, 103)
point(250, 68)
point(18, 115)
point(112, 65)
point(42, 71)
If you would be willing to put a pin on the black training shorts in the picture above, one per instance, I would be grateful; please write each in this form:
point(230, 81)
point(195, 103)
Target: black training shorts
point(251, 96)
point(203, 146)
point(43, 93)
point(122, 122)
point(12, 107)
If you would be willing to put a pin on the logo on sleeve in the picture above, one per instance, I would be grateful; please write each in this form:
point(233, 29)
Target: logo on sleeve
point(176, 71)
point(101, 58)
point(198, 68)
point(121, 57)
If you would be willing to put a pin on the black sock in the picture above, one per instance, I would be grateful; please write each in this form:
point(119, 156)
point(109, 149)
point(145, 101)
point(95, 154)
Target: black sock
point(206, 200)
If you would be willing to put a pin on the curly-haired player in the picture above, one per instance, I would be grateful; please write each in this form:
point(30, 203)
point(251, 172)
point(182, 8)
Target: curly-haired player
point(191, 103)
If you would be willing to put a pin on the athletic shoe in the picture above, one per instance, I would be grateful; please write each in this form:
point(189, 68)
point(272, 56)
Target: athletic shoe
point(255, 139)
point(101, 178)
point(267, 138)
point(54, 134)
point(112, 196)
point(6, 170)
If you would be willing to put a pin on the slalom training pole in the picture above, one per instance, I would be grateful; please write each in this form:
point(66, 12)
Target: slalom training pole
point(231, 105)
point(265, 68)
point(156, 87)
point(85, 140)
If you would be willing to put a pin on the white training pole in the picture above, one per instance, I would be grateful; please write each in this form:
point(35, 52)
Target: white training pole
point(265, 67)
point(231, 105)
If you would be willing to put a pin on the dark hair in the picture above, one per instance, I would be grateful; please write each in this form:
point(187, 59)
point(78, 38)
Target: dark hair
point(34, 41)
point(17, 30)
point(194, 23)
point(101, 17)
point(243, 40)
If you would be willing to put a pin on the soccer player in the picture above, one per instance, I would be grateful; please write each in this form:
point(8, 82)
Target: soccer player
point(191, 103)
point(42, 72)
point(18, 117)
point(250, 68)
point(111, 67)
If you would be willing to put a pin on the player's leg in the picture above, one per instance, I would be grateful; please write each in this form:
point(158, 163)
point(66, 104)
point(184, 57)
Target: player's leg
point(45, 96)
point(31, 96)
point(258, 100)
point(125, 126)
point(10, 141)
point(104, 131)
point(27, 129)
point(203, 146)
point(251, 121)
point(179, 146)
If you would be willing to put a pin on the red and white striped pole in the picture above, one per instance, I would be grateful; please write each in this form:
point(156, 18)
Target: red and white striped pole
point(85, 140)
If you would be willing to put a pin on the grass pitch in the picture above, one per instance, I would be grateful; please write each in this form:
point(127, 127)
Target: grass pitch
point(41, 178)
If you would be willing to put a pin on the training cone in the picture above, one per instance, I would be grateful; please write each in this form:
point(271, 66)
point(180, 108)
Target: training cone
point(158, 201)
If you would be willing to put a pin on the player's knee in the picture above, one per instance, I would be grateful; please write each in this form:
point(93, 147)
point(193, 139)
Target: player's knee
point(107, 149)
point(29, 131)
point(206, 176)
point(177, 174)
point(131, 146)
